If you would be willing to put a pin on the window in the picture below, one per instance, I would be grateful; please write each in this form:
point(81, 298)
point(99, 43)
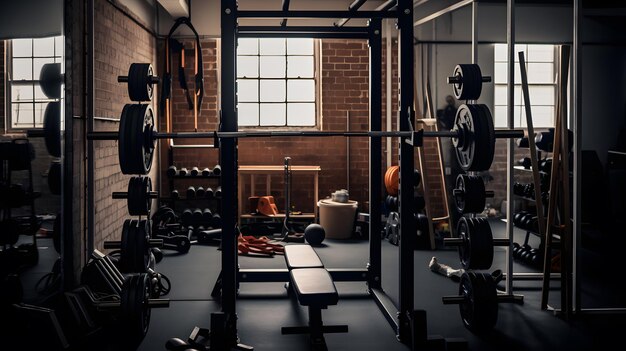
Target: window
point(540, 68)
point(27, 103)
point(276, 82)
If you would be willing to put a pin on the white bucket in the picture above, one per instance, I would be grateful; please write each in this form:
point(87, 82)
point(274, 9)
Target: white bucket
point(337, 218)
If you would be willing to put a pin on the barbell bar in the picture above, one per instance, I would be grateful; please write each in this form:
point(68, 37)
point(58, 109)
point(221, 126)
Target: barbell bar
point(460, 241)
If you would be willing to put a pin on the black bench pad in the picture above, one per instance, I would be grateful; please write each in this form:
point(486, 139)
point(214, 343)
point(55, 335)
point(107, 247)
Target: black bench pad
point(301, 256)
point(314, 287)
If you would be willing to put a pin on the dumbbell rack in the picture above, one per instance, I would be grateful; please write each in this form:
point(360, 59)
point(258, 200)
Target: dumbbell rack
point(214, 203)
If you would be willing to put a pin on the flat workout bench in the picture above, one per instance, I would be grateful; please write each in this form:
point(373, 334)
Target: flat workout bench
point(314, 287)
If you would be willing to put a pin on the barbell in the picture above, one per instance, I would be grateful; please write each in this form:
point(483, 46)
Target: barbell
point(473, 136)
point(478, 301)
point(139, 196)
point(475, 242)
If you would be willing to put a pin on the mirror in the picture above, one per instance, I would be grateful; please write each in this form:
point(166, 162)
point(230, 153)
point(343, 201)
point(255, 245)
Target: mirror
point(31, 162)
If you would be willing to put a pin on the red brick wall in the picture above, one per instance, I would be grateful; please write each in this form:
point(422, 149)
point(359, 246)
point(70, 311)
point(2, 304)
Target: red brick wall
point(118, 42)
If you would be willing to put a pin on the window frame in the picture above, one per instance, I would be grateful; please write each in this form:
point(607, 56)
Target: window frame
point(520, 120)
point(317, 91)
point(57, 57)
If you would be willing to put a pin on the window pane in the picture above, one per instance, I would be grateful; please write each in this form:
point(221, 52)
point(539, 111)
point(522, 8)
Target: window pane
point(543, 116)
point(248, 90)
point(300, 66)
point(43, 46)
point(541, 95)
point(248, 114)
point(501, 91)
point(273, 66)
point(22, 69)
point(499, 72)
point(272, 46)
point(21, 93)
point(272, 90)
point(40, 110)
point(301, 114)
point(248, 46)
point(248, 66)
point(59, 44)
point(22, 47)
point(299, 46)
point(272, 115)
point(39, 95)
point(500, 53)
point(22, 115)
point(38, 64)
point(540, 53)
point(540, 73)
point(300, 90)
point(500, 116)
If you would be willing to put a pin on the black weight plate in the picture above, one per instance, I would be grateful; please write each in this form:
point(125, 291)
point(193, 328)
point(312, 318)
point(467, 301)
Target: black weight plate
point(486, 151)
point(134, 311)
point(462, 230)
point(123, 139)
point(142, 252)
point(50, 80)
point(464, 144)
point(145, 142)
point(133, 202)
point(484, 230)
point(479, 311)
point(9, 231)
point(52, 128)
point(146, 189)
point(54, 177)
point(183, 245)
point(139, 85)
point(128, 257)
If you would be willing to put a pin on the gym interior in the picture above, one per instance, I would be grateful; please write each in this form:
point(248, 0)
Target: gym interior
point(312, 174)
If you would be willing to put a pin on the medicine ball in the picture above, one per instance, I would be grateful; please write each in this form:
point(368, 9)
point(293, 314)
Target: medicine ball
point(314, 234)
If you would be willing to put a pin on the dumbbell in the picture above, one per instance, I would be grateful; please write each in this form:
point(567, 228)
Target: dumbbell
point(522, 142)
point(197, 216)
point(208, 192)
point(518, 189)
point(525, 162)
point(172, 171)
point(217, 221)
point(218, 192)
point(518, 216)
point(140, 79)
point(174, 194)
point(187, 216)
point(195, 171)
point(207, 216)
point(516, 249)
point(206, 172)
point(191, 192)
point(183, 172)
point(217, 170)
point(180, 243)
point(200, 192)
point(139, 196)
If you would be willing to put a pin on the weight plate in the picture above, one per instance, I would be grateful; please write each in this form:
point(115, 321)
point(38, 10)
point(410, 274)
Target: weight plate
point(134, 311)
point(142, 249)
point(50, 80)
point(470, 85)
point(54, 177)
point(139, 85)
point(126, 250)
point(471, 195)
point(479, 311)
point(52, 128)
point(476, 252)
point(123, 140)
point(132, 200)
point(488, 138)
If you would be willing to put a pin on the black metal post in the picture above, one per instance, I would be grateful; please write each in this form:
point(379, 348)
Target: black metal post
point(406, 207)
point(228, 158)
point(375, 161)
